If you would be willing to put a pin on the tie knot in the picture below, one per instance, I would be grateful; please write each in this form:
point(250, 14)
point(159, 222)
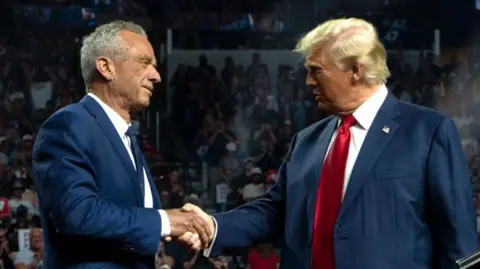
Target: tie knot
point(130, 132)
point(347, 122)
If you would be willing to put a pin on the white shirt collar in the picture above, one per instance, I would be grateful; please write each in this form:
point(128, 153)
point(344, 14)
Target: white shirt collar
point(118, 122)
point(365, 114)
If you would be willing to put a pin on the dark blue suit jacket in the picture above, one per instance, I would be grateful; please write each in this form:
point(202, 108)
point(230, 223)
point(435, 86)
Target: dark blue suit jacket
point(91, 203)
point(408, 203)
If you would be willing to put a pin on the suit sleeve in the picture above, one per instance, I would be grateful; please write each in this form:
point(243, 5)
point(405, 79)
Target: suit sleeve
point(70, 197)
point(258, 221)
point(450, 208)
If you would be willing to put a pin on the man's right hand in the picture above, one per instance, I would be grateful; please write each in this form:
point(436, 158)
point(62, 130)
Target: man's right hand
point(189, 227)
point(193, 208)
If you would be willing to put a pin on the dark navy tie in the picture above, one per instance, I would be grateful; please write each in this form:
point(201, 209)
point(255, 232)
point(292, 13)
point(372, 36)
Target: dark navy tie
point(138, 156)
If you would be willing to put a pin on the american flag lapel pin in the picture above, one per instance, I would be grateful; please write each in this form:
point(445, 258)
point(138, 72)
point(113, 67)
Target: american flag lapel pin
point(386, 129)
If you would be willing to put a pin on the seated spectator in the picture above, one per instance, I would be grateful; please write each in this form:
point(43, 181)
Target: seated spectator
point(194, 200)
point(219, 263)
point(230, 164)
point(249, 164)
point(198, 261)
point(222, 191)
point(6, 247)
point(252, 192)
point(149, 150)
point(234, 198)
point(20, 163)
point(165, 199)
point(242, 132)
point(177, 188)
point(17, 199)
point(255, 177)
point(22, 219)
point(286, 133)
point(270, 179)
point(266, 158)
point(300, 109)
point(263, 256)
point(265, 134)
point(30, 195)
point(32, 257)
point(5, 213)
point(162, 260)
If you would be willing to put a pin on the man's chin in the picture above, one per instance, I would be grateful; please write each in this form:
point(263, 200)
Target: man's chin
point(333, 109)
point(326, 107)
point(143, 104)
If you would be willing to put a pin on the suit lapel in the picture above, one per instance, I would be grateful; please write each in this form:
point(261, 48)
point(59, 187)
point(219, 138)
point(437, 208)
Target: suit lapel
point(313, 176)
point(378, 136)
point(107, 126)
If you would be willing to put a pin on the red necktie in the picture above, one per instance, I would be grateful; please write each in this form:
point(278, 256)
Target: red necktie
point(329, 197)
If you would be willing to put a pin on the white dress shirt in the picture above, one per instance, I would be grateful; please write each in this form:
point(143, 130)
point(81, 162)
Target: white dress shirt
point(122, 126)
point(364, 115)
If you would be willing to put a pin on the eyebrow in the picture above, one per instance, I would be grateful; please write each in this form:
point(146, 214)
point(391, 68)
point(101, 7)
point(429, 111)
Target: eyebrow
point(148, 59)
point(309, 65)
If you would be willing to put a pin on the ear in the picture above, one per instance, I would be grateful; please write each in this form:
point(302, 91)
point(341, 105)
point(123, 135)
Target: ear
point(357, 72)
point(105, 67)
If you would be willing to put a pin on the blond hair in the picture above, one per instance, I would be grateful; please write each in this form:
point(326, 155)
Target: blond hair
point(349, 41)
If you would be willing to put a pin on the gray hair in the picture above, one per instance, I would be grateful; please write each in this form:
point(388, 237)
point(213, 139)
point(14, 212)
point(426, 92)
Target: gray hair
point(104, 41)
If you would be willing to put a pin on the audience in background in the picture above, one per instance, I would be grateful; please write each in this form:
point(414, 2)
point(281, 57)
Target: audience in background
point(233, 119)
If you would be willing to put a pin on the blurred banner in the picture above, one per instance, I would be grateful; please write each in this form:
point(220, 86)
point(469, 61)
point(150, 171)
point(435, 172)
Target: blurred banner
point(23, 239)
point(72, 16)
point(226, 21)
point(396, 32)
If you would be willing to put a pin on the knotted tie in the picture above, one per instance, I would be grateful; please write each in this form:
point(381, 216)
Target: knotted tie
point(329, 197)
point(138, 156)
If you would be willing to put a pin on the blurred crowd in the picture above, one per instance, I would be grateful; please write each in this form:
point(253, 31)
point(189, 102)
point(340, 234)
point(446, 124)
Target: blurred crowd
point(232, 119)
point(33, 85)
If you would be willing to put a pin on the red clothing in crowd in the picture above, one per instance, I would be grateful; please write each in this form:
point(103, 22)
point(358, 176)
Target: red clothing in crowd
point(4, 207)
point(256, 261)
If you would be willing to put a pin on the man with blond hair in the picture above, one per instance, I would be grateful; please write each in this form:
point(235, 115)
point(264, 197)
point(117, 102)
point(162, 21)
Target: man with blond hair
point(380, 184)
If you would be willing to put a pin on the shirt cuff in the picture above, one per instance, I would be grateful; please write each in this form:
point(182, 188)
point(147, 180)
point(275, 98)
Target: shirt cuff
point(207, 251)
point(165, 229)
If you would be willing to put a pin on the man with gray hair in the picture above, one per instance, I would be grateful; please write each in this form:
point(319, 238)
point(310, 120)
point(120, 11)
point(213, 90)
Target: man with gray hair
point(98, 203)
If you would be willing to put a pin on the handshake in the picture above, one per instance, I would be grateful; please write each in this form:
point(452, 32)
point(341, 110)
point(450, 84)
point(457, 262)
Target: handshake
point(191, 226)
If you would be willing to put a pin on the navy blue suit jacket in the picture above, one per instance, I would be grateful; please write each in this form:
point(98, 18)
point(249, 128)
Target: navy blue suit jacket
point(408, 203)
point(91, 203)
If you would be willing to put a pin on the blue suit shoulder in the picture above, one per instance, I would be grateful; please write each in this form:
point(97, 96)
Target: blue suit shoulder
point(74, 117)
point(423, 120)
point(421, 114)
point(70, 122)
point(313, 130)
point(68, 114)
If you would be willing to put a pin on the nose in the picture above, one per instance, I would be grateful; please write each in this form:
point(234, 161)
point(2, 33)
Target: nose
point(310, 81)
point(155, 76)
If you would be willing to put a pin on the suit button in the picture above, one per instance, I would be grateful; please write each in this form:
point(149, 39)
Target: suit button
point(337, 228)
point(128, 247)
